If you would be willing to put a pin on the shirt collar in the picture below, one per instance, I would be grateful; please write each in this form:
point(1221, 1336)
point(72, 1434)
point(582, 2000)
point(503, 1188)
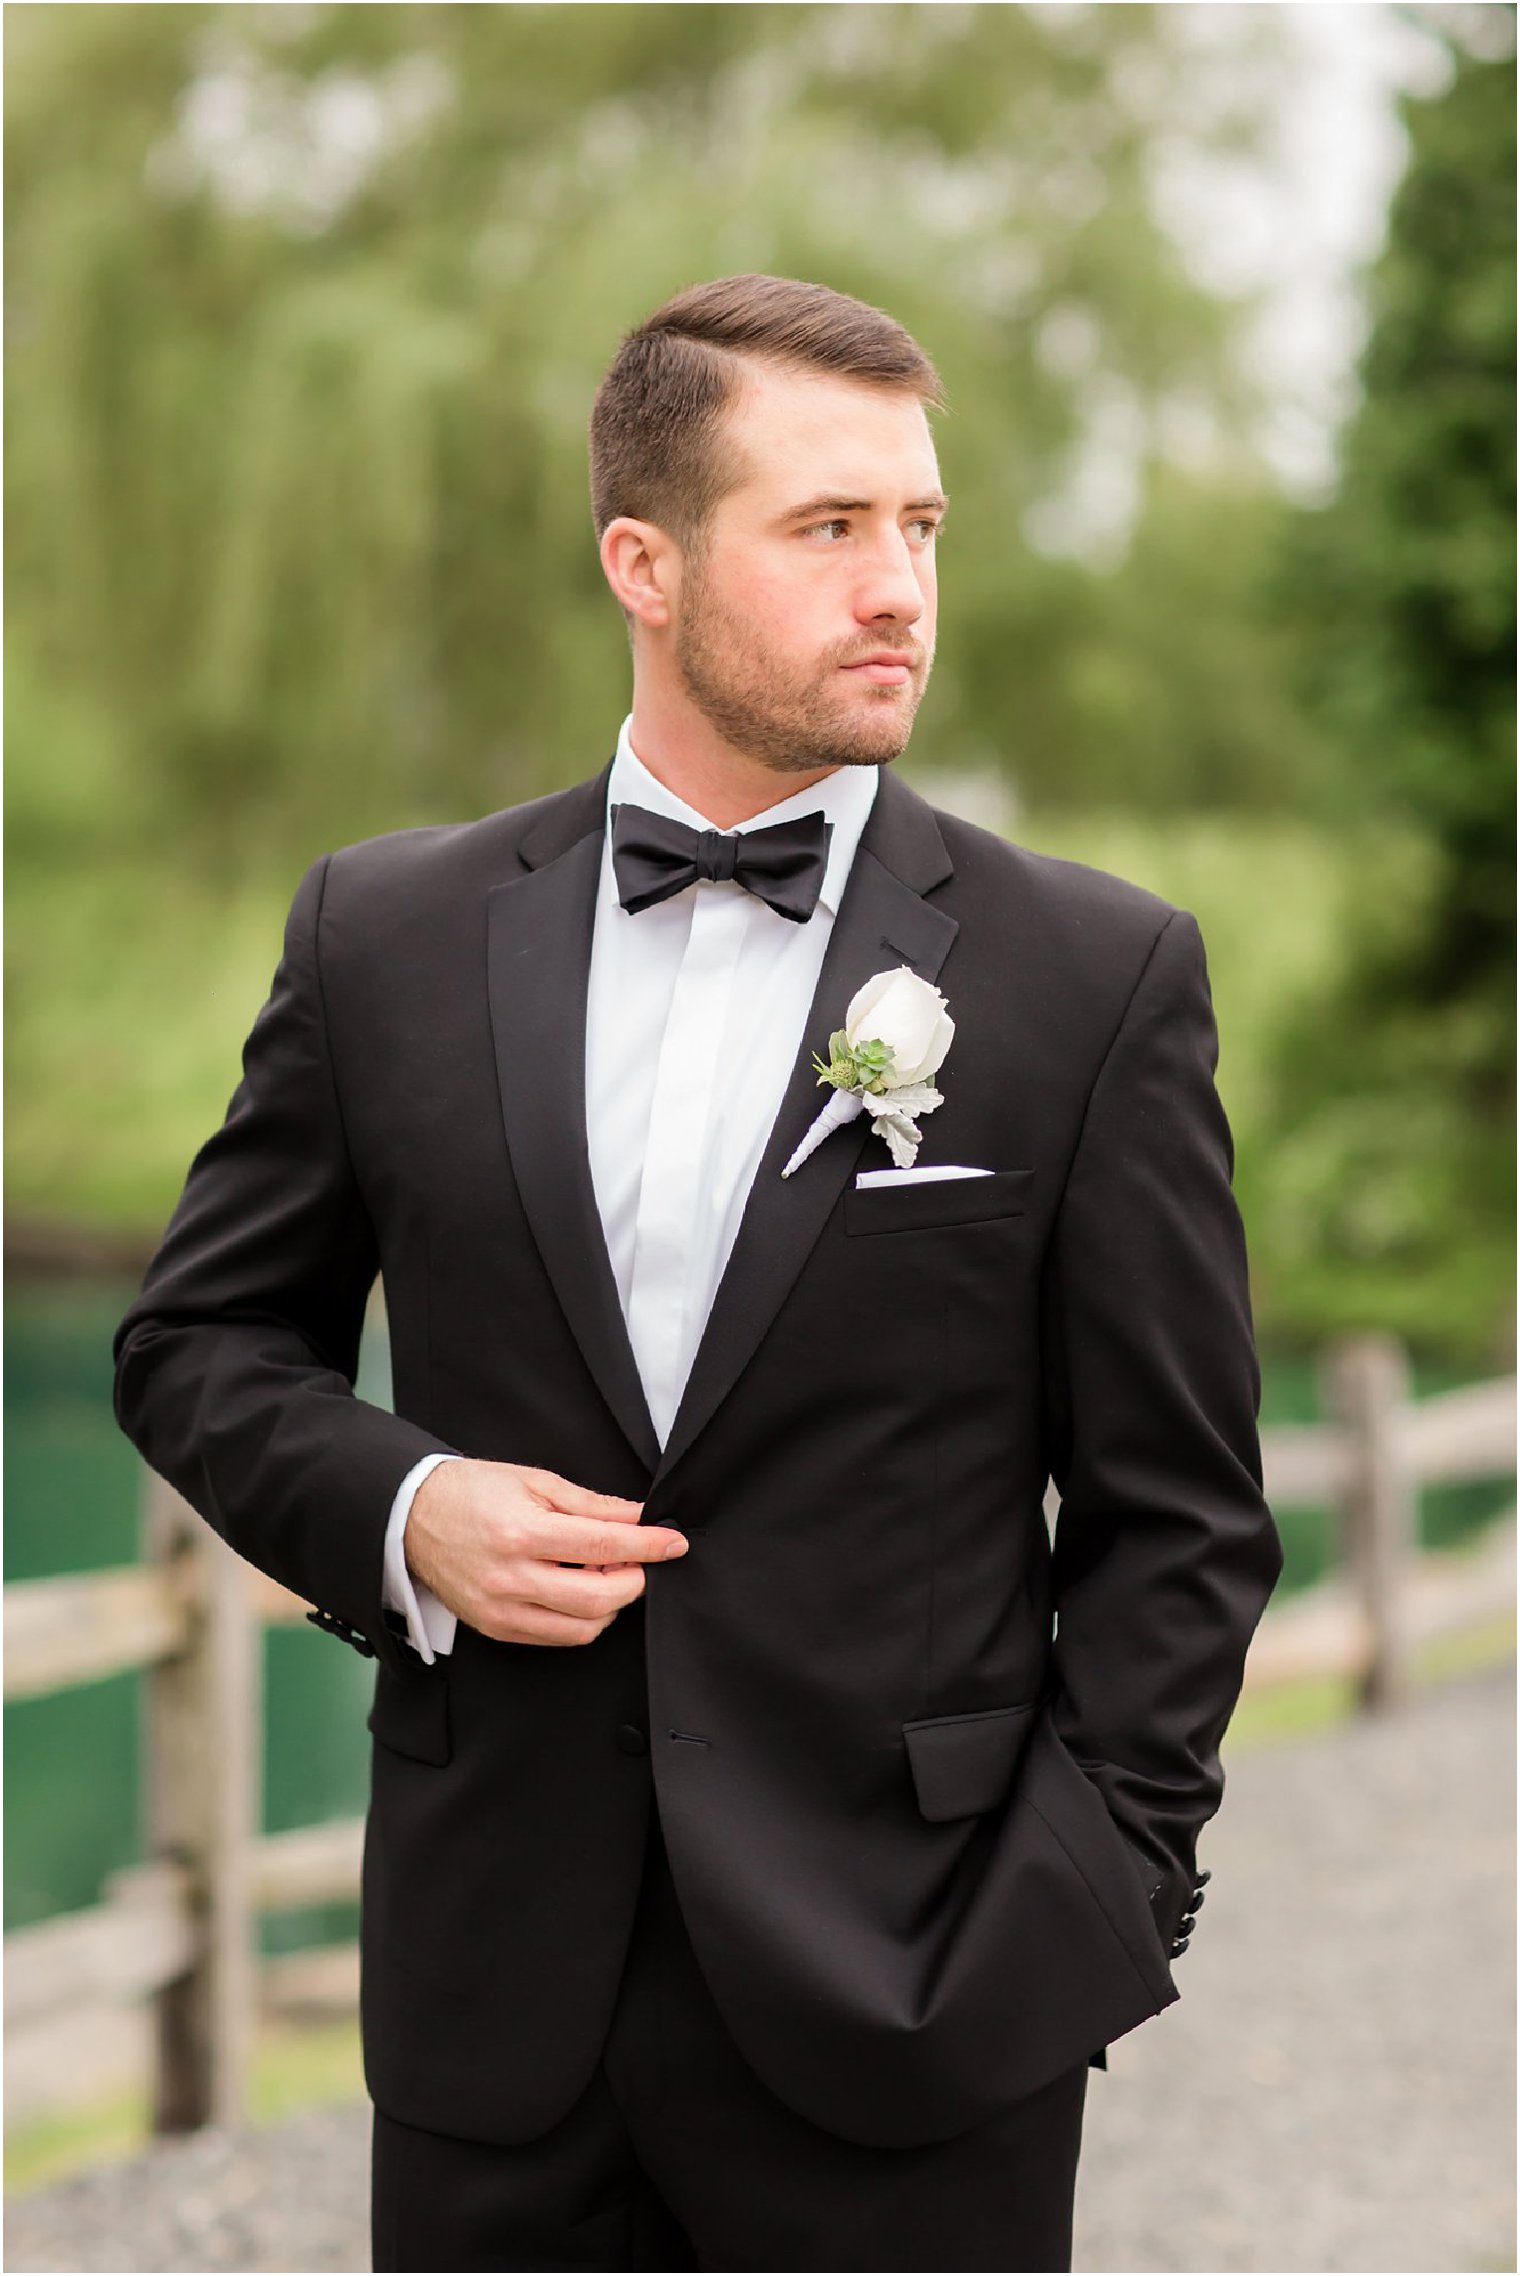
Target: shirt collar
point(843, 798)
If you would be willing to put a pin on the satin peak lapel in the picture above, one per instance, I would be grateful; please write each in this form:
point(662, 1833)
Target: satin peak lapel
point(883, 920)
point(538, 969)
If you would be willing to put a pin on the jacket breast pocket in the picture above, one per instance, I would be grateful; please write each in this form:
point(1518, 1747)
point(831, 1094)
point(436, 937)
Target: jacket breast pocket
point(410, 1714)
point(938, 1201)
point(964, 1764)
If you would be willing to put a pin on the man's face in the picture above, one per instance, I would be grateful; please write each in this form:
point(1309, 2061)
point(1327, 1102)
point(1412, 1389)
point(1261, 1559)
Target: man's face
point(804, 627)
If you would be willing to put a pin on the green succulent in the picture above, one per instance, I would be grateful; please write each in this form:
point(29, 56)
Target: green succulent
point(864, 1066)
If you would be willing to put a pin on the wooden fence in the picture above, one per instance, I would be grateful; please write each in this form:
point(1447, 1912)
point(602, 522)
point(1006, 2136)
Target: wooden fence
point(179, 1931)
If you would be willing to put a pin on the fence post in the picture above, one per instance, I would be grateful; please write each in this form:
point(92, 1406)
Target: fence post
point(202, 1790)
point(1367, 1387)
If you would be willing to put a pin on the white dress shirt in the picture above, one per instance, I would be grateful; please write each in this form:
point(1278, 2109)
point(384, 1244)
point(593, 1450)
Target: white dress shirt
point(709, 979)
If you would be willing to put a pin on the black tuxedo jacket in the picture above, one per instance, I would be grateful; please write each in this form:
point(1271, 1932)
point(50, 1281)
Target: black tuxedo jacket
point(930, 1789)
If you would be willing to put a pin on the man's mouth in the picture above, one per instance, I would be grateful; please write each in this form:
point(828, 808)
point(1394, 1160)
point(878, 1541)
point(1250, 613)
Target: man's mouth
point(884, 668)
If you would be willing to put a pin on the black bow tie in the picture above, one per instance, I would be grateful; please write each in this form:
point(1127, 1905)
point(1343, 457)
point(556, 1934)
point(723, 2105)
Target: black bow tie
point(653, 856)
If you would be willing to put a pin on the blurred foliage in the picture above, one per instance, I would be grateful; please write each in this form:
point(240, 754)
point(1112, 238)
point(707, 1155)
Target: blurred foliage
point(307, 305)
point(1393, 1151)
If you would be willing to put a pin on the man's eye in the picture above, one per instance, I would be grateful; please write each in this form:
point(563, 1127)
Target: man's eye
point(837, 526)
point(928, 527)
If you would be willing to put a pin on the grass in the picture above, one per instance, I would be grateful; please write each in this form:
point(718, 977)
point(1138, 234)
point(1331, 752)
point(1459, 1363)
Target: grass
point(128, 997)
point(315, 2066)
point(1305, 1710)
point(296, 2067)
point(96, 2133)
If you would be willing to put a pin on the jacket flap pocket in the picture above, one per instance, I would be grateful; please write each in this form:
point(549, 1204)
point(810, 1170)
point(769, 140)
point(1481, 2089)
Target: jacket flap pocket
point(965, 1763)
point(411, 1712)
point(937, 1201)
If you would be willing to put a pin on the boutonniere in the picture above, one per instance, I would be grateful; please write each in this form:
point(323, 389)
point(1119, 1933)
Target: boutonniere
point(895, 1036)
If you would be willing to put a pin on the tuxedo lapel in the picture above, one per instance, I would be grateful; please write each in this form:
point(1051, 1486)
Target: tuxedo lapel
point(883, 920)
point(539, 933)
point(540, 928)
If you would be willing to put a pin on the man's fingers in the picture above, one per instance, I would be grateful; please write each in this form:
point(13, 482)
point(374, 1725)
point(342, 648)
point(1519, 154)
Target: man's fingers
point(593, 1541)
point(540, 1624)
point(580, 1501)
point(583, 1595)
point(529, 1557)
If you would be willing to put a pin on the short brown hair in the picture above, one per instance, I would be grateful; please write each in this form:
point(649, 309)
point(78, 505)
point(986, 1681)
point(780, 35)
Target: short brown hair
point(658, 412)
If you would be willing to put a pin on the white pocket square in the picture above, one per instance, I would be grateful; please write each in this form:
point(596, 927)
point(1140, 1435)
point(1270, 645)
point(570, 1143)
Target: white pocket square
point(925, 1176)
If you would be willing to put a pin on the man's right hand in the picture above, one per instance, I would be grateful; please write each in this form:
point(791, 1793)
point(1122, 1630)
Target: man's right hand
point(525, 1556)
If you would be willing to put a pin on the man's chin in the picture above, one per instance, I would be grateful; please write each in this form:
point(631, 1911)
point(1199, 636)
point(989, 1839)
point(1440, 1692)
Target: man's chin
point(877, 735)
point(864, 728)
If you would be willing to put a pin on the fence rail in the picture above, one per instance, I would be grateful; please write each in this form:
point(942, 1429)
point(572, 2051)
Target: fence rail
point(178, 1931)
point(87, 1625)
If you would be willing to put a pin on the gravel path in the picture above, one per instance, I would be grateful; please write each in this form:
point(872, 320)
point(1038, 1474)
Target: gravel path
point(1336, 2087)
point(1335, 2090)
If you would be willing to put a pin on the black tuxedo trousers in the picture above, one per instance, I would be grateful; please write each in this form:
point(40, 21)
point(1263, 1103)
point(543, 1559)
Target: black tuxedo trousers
point(676, 2156)
point(930, 1783)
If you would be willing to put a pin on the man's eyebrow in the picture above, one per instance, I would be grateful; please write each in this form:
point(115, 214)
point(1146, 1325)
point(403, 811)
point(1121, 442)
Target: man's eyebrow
point(934, 500)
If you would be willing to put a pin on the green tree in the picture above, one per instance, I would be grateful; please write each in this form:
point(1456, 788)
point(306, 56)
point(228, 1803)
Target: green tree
point(1391, 1191)
point(307, 309)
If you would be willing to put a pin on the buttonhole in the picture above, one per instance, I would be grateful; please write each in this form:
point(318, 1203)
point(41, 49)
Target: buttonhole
point(690, 1739)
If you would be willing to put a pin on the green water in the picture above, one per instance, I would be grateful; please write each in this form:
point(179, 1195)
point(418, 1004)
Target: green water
point(72, 1487)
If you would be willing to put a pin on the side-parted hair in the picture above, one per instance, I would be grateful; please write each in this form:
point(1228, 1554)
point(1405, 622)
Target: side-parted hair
point(656, 426)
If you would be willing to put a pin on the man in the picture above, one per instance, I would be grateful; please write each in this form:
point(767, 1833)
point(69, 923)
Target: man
point(775, 1924)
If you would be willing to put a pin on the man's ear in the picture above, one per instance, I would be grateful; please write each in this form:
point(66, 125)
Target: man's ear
point(641, 563)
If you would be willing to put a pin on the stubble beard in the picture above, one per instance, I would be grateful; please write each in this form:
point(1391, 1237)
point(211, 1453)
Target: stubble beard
point(792, 728)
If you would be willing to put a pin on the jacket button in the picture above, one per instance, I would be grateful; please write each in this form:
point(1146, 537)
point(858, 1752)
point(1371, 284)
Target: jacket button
point(632, 1738)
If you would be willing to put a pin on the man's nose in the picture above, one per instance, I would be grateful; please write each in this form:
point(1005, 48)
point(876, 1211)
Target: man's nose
point(890, 587)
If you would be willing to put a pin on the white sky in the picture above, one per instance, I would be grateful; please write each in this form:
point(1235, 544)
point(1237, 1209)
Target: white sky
point(1304, 228)
point(1296, 224)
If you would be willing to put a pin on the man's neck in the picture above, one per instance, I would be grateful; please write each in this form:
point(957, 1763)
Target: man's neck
point(692, 759)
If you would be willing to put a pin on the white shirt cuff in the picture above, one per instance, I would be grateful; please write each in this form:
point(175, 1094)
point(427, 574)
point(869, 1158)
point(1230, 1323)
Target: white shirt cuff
point(430, 1625)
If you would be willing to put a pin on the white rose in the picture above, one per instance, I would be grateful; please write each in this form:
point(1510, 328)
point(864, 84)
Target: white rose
point(908, 1016)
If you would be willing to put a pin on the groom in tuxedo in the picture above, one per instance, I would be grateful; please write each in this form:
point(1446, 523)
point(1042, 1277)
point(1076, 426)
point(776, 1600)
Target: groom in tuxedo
point(770, 1823)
